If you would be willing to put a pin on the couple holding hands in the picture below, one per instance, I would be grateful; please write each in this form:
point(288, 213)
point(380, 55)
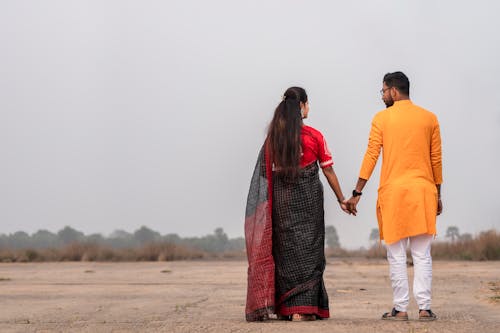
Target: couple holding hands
point(284, 220)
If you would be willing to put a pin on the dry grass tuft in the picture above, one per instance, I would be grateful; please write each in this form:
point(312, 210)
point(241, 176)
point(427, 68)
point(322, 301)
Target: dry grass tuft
point(486, 246)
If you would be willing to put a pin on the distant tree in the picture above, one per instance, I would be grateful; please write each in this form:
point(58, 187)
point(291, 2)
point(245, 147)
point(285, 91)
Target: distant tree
point(453, 233)
point(374, 235)
point(221, 240)
point(146, 235)
point(121, 239)
point(221, 237)
point(465, 237)
point(217, 242)
point(95, 239)
point(44, 239)
point(236, 244)
point(121, 234)
point(331, 237)
point(69, 235)
point(172, 238)
point(19, 240)
point(4, 241)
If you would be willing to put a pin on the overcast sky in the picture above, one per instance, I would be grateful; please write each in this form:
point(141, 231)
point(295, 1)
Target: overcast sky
point(118, 114)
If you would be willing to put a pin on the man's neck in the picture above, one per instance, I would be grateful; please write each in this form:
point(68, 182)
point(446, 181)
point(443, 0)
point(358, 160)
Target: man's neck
point(402, 98)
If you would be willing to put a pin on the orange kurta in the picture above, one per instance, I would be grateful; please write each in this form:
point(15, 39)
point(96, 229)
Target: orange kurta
point(410, 140)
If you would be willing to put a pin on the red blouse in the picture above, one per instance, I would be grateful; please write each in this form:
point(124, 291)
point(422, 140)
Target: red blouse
point(314, 148)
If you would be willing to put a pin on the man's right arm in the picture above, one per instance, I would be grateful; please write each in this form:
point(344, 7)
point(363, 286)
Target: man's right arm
point(373, 150)
point(369, 162)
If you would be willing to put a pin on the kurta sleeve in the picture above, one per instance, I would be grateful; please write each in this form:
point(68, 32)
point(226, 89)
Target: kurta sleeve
point(373, 150)
point(324, 155)
point(436, 161)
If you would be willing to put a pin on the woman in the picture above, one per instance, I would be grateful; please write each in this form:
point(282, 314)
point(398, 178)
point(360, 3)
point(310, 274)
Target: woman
point(284, 222)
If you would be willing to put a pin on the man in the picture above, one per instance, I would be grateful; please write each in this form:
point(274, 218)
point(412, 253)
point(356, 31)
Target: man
point(410, 190)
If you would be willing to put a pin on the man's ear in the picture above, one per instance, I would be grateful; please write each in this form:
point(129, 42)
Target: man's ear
point(394, 93)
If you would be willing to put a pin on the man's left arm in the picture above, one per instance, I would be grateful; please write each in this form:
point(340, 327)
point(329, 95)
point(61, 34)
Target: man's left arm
point(436, 162)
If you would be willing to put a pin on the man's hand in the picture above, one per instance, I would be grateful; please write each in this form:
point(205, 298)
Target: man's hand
point(351, 205)
point(440, 207)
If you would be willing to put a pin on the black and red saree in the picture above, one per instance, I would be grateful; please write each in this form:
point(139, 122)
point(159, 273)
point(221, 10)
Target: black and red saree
point(285, 232)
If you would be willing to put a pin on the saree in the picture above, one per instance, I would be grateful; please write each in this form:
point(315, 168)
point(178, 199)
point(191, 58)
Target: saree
point(285, 232)
point(258, 240)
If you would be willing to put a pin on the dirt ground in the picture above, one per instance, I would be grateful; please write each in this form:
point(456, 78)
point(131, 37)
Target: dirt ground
point(209, 296)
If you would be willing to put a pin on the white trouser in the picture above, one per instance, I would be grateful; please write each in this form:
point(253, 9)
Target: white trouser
point(422, 265)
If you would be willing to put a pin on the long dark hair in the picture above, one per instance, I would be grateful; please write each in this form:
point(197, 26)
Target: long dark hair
point(283, 137)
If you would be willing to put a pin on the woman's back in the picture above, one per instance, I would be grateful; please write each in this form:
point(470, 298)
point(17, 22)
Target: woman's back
point(314, 148)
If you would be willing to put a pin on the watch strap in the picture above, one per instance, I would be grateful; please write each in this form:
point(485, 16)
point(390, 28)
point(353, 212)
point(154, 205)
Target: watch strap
point(356, 193)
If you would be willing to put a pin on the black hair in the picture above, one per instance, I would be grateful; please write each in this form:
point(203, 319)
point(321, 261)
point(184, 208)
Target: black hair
point(283, 136)
point(399, 81)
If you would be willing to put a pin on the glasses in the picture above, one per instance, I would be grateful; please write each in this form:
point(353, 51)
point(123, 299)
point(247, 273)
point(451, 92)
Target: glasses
point(382, 91)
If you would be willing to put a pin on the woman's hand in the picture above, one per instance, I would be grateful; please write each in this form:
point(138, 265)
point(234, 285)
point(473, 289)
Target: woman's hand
point(334, 184)
point(343, 206)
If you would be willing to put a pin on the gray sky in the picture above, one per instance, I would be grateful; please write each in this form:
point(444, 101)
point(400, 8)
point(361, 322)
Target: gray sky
point(117, 114)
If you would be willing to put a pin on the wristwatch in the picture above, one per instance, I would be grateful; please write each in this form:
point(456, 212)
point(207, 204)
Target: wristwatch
point(356, 193)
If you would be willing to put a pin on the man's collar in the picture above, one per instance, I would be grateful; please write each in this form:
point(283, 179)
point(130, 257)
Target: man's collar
point(403, 102)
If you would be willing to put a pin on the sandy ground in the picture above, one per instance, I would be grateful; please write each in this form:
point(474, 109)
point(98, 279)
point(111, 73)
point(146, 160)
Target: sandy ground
point(209, 296)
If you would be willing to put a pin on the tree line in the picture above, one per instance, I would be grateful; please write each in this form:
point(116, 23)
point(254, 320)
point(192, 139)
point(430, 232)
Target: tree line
point(214, 243)
point(119, 239)
point(146, 244)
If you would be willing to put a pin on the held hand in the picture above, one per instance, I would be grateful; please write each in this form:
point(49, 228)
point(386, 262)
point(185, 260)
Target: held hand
point(343, 206)
point(351, 205)
point(440, 207)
